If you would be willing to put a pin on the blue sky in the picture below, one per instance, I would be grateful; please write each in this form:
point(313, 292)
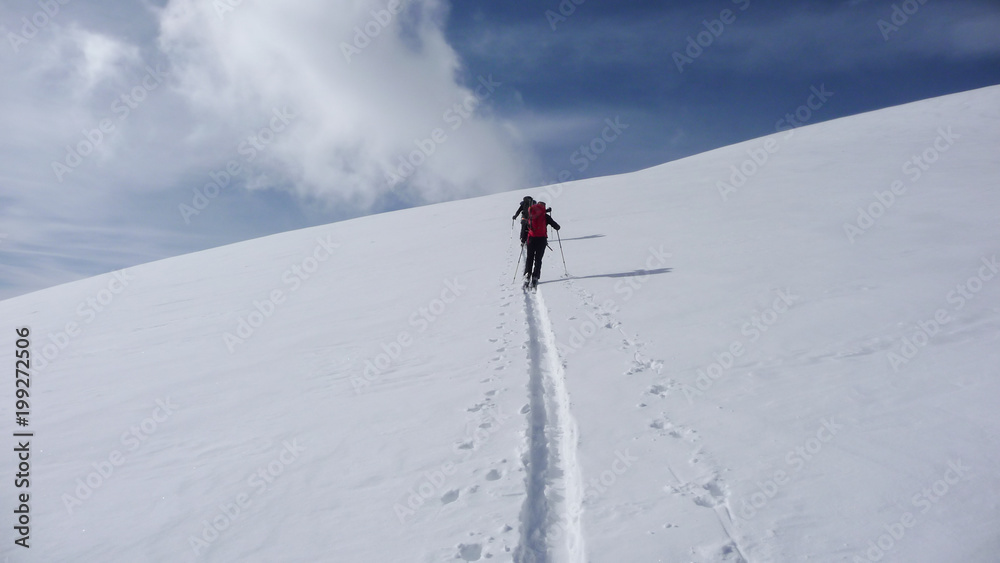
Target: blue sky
point(206, 123)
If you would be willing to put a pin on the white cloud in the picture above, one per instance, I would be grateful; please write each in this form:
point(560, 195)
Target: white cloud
point(227, 72)
point(102, 56)
point(356, 114)
point(224, 77)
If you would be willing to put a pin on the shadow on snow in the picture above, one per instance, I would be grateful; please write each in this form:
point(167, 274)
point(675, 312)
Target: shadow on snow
point(632, 274)
point(583, 238)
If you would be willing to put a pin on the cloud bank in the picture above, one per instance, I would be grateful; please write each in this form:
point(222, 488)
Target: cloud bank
point(118, 116)
point(369, 90)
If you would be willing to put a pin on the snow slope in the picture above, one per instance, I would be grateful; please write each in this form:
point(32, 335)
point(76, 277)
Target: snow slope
point(735, 371)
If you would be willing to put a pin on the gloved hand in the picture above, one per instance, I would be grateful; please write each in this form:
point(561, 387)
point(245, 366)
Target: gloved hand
point(555, 227)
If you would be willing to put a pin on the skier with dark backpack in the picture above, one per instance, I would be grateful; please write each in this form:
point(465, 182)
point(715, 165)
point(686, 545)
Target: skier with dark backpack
point(522, 210)
point(538, 239)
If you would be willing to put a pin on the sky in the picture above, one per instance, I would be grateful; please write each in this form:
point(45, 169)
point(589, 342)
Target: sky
point(139, 131)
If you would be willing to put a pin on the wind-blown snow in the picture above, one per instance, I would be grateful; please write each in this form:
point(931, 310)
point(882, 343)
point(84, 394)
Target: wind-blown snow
point(756, 374)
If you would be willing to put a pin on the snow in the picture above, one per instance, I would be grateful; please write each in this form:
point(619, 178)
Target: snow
point(727, 374)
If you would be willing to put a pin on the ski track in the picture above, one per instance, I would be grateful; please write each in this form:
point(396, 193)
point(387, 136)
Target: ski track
point(551, 530)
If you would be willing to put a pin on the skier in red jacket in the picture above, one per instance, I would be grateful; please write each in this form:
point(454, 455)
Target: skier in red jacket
point(538, 238)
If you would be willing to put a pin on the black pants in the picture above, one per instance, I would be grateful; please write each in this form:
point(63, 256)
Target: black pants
point(533, 262)
point(524, 231)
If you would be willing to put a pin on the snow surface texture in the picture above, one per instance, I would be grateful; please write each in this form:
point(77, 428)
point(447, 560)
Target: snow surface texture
point(737, 370)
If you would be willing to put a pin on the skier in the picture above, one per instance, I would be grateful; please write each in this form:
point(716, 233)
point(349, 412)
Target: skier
point(538, 238)
point(522, 210)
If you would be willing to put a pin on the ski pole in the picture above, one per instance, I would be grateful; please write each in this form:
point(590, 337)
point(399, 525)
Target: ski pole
point(559, 238)
point(518, 264)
